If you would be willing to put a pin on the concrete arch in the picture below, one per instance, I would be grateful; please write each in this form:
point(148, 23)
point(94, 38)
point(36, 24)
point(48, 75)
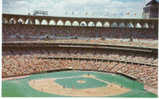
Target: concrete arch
point(130, 25)
point(122, 25)
point(138, 25)
point(75, 23)
point(152, 26)
point(28, 21)
point(52, 22)
point(91, 24)
point(83, 23)
point(114, 24)
point(60, 22)
point(4, 21)
point(12, 21)
point(20, 21)
point(106, 24)
point(99, 24)
point(37, 22)
point(146, 25)
point(68, 23)
point(44, 22)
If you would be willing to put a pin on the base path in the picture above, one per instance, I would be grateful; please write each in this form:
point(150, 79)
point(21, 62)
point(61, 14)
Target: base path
point(50, 86)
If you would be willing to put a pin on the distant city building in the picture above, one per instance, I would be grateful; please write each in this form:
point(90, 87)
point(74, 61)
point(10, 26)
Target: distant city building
point(29, 14)
point(39, 12)
point(36, 13)
point(151, 9)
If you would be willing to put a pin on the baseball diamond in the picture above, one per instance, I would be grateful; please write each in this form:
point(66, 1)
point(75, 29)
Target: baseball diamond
point(65, 83)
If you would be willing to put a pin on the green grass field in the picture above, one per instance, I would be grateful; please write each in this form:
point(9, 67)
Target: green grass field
point(21, 88)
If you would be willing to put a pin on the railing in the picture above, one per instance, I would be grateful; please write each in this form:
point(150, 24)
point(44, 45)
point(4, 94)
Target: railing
point(96, 59)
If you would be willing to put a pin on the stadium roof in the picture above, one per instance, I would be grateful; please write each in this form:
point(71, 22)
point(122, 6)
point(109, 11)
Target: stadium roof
point(152, 2)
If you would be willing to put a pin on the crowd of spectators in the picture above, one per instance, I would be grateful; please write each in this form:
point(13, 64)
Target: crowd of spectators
point(16, 63)
point(94, 54)
point(23, 62)
point(20, 32)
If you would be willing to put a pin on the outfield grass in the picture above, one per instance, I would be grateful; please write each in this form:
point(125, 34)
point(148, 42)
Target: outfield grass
point(21, 88)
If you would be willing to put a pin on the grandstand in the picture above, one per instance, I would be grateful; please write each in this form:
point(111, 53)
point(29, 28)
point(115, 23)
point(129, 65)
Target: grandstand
point(32, 50)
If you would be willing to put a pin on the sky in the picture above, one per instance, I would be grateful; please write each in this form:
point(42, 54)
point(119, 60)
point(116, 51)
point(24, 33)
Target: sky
point(78, 8)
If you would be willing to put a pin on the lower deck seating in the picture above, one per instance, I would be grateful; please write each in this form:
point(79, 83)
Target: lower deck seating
point(23, 62)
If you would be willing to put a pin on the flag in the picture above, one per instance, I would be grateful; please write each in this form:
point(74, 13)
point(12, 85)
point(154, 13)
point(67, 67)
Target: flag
point(128, 13)
point(135, 14)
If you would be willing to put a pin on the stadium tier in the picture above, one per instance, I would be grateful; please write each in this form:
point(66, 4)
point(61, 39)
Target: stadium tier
point(125, 47)
point(23, 60)
point(23, 27)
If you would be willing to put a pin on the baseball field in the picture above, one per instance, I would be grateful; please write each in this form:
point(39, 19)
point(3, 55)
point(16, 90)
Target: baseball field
point(74, 83)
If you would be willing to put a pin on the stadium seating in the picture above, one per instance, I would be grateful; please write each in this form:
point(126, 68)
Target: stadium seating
point(28, 62)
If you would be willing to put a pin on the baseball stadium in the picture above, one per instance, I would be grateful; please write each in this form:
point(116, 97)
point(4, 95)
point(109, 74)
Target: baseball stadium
point(48, 56)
